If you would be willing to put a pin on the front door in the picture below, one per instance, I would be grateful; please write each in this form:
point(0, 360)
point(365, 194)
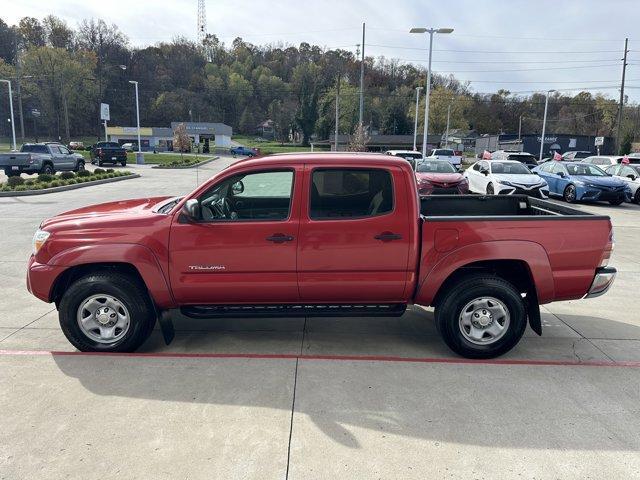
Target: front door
point(355, 234)
point(244, 248)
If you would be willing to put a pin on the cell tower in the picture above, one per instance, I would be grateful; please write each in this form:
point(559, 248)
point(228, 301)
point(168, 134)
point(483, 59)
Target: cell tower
point(202, 21)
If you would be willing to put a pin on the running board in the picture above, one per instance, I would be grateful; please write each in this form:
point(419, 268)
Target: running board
point(312, 310)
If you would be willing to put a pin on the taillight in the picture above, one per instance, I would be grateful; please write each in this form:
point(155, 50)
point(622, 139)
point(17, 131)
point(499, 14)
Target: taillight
point(608, 250)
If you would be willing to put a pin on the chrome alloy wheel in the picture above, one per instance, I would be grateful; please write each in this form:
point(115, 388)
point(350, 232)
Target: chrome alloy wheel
point(484, 320)
point(103, 318)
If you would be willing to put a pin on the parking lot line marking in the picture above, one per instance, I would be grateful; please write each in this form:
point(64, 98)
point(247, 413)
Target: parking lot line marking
point(357, 358)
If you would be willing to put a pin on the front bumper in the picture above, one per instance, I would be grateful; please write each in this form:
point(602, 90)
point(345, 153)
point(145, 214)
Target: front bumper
point(441, 189)
point(605, 194)
point(602, 281)
point(535, 191)
point(41, 278)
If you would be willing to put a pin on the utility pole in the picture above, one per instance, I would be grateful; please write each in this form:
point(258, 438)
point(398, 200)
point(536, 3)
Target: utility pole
point(362, 78)
point(446, 135)
point(13, 125)
point(544, 123)
point(415, 123)
point(621, 105)
point(520, 129)
point(18, 91)
point(335, 140)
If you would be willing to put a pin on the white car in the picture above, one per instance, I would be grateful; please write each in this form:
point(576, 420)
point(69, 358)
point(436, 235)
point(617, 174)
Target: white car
point(630, 174)
point(445, 154)
point(411, 156)
point(603, 161)
point(505, 177)
point(128, 147)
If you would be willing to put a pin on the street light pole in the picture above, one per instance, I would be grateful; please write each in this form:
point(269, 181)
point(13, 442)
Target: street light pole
point(446, 134)
point(139, 157)
point(544, 122)
point(13, 126)
point(430, 31)
point(415, 123)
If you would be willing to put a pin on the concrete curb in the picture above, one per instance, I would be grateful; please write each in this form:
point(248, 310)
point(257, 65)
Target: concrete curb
point(204, 162)
point(64, 188)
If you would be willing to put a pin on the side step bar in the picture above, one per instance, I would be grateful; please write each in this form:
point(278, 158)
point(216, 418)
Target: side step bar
point(320, 310)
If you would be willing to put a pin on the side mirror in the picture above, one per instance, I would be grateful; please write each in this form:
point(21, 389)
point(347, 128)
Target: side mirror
point(237, 188)
point(631, 177)
point(484, 171)
point(560, 174)
point(191, 210)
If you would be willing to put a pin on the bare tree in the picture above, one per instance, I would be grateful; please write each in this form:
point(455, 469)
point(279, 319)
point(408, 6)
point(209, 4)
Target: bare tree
point(359, 139)
point(181, 140)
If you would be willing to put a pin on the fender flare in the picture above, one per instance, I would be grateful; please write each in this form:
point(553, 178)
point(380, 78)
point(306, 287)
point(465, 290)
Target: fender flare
point(531, 253)
point(136, 255)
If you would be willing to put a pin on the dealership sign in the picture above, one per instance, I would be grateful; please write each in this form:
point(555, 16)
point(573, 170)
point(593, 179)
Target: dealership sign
point(599, 141)
point(104, 111)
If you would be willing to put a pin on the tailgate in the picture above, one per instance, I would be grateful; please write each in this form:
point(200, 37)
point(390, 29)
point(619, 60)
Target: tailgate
point(10, 159)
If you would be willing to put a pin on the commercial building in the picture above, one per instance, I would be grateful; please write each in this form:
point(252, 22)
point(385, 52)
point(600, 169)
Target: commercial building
point(553, 142)
point(205, 134)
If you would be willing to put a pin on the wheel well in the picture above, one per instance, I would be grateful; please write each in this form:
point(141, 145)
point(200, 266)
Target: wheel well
point(70, 275)
point(515, 272)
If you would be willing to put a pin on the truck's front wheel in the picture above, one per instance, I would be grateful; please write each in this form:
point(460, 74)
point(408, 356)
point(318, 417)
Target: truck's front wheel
point(483, 316)
point(106, 312)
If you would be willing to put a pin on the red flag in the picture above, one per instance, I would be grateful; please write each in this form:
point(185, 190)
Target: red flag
point(486, 155)
point(625, 160)
point(557, 156)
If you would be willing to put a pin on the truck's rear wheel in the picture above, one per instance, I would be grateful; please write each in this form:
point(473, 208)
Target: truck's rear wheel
point(47, 169)
point(11, 173)
point(482, 317)
point(106, 312)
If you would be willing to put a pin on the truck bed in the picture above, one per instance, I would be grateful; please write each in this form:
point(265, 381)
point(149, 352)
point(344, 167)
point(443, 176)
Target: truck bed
point(496, 207)
point(566, 243)
point(14, 158)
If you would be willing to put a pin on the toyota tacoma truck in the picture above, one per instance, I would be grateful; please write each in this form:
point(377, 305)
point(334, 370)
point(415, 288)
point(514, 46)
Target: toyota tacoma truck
point(41, 158)
point(108, 152)
point(329, 234)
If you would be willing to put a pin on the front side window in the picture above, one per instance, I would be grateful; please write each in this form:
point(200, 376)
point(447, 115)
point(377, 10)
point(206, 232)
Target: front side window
point(246, 197)
point(341, 193)
point(586, 170)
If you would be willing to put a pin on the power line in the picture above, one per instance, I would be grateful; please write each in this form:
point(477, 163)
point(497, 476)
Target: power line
point(496, 51)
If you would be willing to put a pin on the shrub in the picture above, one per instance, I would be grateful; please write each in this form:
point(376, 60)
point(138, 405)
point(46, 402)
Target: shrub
point(45, 177)
point(55, 183)
point(99, 171)
point(29, 181)
point(67, 175)
point(84, 173)
point(15, 181)
point(6, 188)
point(20, 188)
point(110, 170)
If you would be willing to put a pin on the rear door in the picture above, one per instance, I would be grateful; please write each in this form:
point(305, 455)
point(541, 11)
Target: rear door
point(355, 235)
point(243, 251)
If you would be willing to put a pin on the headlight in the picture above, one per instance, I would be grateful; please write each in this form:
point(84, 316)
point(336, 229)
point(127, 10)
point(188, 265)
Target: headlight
point(38, 240)
point(506, 184)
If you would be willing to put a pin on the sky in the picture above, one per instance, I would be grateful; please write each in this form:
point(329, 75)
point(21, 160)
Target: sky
point(521, 46)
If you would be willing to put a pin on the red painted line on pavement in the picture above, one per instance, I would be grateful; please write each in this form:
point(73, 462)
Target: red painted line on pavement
point(359, 358)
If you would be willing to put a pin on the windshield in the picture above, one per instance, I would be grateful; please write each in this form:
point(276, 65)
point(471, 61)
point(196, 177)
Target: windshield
point(509, 168)
point(435, 167)
point(585, 170)
point(167, 207)
point(444, 152)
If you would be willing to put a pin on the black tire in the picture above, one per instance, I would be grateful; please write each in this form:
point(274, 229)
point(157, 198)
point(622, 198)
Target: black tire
point(450, 308)
point(11, 173)
point(636, 197)
point(123, 287)
point(123, 163)
point(47, 168)
point(617, 202)
point(490, 189)
point(79, 166)
point(570, 195)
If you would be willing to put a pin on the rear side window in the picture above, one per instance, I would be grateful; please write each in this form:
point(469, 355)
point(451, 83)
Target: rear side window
point(342, 193)
point(34, 149)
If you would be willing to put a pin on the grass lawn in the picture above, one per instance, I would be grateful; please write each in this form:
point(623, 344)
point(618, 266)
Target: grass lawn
point(269, 146)
point(155, 158)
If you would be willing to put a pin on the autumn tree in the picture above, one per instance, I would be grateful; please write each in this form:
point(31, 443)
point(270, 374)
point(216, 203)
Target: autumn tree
point(181, 139)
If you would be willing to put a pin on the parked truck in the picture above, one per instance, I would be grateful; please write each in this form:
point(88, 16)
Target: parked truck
point(329, 234)
point(108, 152)
point(445, 154)
point(41, 158)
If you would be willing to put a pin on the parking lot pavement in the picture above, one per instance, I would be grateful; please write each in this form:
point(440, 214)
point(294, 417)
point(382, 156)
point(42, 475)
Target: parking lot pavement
point(285, 398)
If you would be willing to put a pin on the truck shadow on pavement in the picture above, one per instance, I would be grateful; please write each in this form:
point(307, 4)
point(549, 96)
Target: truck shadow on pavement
point(515, 406)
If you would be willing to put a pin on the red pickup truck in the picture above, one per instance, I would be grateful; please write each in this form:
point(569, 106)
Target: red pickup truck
point(317, 234)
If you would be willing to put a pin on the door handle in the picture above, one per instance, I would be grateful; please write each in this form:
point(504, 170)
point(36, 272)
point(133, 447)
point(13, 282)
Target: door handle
point(279, 238)
point(388, 236)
